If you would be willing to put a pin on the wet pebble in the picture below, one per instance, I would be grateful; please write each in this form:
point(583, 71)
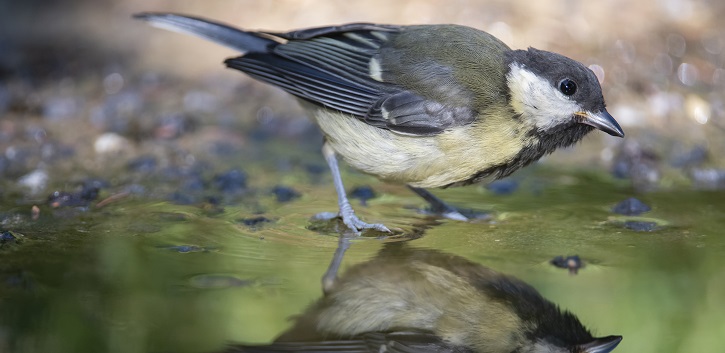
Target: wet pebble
point(87, 192)
point(142, 164)
point(66, 199)
point(193, 183)
point(631, 207)
point(572, 263)
point(254, 222)
point(185, 248)
point(7, 236)
point(503, 187)
point(284, 193)
point(363, 193)
point(316, 169)
point(641, 226)
point(231, 181)
point(110, 143)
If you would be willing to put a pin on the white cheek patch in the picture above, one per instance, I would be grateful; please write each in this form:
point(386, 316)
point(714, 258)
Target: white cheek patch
point(537, 100)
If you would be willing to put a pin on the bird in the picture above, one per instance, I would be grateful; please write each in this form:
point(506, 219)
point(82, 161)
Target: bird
point(411, 299)
point(428, 106)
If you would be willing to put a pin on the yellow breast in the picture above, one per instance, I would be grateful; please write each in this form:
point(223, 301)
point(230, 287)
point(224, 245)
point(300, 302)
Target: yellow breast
point(423, 161)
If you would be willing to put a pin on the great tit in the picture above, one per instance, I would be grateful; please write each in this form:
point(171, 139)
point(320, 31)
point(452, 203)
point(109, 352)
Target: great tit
point(429, 106)
point(408, 300)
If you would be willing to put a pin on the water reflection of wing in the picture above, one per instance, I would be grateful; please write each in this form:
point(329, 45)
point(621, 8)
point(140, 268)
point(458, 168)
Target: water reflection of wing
point(393, 342)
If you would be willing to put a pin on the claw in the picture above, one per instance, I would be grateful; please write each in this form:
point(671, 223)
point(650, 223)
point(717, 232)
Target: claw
point(356, 225)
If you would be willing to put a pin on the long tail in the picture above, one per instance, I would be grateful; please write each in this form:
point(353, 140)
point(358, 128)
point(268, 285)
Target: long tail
point(245, 42)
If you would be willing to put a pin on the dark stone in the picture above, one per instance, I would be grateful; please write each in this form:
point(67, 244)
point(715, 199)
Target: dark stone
point(503, 187)
point(66, 199)
point(572, 263)
point(143, 164)
point(255, 221)
point(7, 236)
point(640, 226)
point(231, 181)
point(185, 248)
point(363, 193)
point(284, 193)
point(87, 192)
point(193, 183)
point(315, 169)
point(631, 207)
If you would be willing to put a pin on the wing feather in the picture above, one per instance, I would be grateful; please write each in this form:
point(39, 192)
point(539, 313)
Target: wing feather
point(331, 66)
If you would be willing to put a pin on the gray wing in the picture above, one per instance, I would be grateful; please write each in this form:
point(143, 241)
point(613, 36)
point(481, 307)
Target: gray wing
point(397, 342)
point(334, 67)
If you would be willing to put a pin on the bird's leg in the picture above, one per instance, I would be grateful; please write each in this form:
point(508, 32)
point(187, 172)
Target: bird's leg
point(330, 276)
point(346, 212)
point(438, 206)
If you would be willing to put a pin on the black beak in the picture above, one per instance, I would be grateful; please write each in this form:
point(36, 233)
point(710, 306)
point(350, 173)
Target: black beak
point(601, 345)
point(602, 121)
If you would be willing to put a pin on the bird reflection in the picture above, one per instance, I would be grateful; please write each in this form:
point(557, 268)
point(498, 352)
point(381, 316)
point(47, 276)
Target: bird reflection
point(408, 300)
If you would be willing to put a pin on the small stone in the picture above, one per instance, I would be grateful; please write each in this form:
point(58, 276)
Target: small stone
point(363, 193)
point(631, 207)
point(7, 237)
point(284, 193)
point(572, 263)
point(255, 221)
point(143, 164)
point(315, 169)
point(503, 187)
point(110, 143)
point(185, 248)
point(640, 226)
point(231, 181)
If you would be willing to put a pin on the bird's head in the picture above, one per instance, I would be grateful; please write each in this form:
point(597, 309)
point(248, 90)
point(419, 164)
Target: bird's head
point(555, 93)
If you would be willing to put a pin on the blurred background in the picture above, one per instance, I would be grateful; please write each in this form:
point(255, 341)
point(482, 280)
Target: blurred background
point(153, 200)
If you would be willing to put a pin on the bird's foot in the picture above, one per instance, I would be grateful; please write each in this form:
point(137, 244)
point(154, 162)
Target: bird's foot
point(352, 222)
point(357, 225)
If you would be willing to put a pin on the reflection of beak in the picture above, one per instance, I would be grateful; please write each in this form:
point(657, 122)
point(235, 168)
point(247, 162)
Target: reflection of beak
point(602, 121)
point(601, 345)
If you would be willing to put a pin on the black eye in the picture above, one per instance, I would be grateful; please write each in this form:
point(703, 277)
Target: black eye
point(567, 86)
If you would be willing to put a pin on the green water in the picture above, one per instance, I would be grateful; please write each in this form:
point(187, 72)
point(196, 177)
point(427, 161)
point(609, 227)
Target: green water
point(112, 280)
